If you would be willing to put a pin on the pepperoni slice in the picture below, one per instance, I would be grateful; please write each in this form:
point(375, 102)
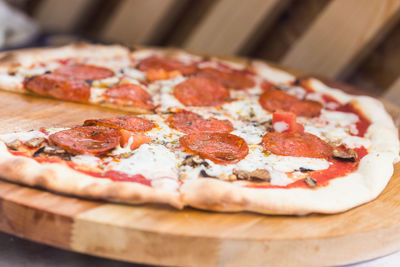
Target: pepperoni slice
point(130, 95)
point(198, 91)
point(233, 79)
point(189, 122)
point(154, 63)
point(296, 145)
point(221, 148)
point(276, 100)
point(84, 72)
point(130, 123)
point(58, 87)
point(87, 139)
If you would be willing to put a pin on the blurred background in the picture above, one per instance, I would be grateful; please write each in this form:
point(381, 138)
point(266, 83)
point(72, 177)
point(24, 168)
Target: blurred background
point(355, 41)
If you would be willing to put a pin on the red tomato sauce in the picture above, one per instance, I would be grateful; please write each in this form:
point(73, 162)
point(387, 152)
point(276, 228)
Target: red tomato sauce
point(336, 169)
point(117, 176)
point(363, 123)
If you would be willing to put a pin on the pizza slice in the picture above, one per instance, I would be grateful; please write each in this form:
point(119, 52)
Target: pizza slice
point(112, 159)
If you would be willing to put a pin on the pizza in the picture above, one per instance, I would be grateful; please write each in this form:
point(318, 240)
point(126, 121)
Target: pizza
point(204, 132)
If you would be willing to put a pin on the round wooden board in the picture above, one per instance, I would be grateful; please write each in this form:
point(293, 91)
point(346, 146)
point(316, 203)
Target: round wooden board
point(163, 236)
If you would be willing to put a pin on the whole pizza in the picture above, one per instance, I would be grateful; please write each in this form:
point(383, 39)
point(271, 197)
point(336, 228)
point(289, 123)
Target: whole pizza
point(203, 132)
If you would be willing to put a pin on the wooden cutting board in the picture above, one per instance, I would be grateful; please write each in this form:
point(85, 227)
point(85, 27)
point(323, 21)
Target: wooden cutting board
point(156, 234)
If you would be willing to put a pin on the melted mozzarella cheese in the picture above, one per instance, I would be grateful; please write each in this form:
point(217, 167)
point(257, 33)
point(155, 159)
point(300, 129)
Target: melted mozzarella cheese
point(297, 91)
point(11, 83)
point(88, 160)
point(106, 82)
point(153, 161)
point(273, 75)
point(335, 126)
point(96, 94)
point(21, 136)
point(162, 133)
point(338, 118)
point(256, 159)
point(134, 73)
point(280, 126)
point(246, 109)
point(250, 133)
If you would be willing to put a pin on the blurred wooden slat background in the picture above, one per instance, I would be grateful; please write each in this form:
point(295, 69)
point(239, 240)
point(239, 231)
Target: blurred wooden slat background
point(355, 41)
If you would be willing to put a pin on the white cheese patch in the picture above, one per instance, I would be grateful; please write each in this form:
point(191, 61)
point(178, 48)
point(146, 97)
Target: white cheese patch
point(315, 97)
point(280, 126)
point(356, 141)
point(21, 136)
point(34, 71)
point(134, 73)
point(114, 63)
point(10, 83)
point(162, 133)
point(250, 133)
point(320, 87)
point(96, 94)
point(272, 74)
point(297, 91)
point(88, 160)
point(52, 130)
point(247, 109)
point(153, 161)
point(336, 126)
point(107, 82)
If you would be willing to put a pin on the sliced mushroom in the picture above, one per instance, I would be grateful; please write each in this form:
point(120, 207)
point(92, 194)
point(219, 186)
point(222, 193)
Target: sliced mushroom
point(281, 87)
point(49, 152)
point(35, 142)
point(311, 182)
point(14, 145)
point(203, 173)
point(268, 126)
point(256, 175)
point(345, 155)
point(194, 161)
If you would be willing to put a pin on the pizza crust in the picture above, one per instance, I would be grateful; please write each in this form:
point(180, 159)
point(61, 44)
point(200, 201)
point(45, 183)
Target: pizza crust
point(62, 179)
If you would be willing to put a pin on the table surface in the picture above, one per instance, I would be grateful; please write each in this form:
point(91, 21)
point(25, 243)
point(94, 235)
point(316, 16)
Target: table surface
point(18, 252)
